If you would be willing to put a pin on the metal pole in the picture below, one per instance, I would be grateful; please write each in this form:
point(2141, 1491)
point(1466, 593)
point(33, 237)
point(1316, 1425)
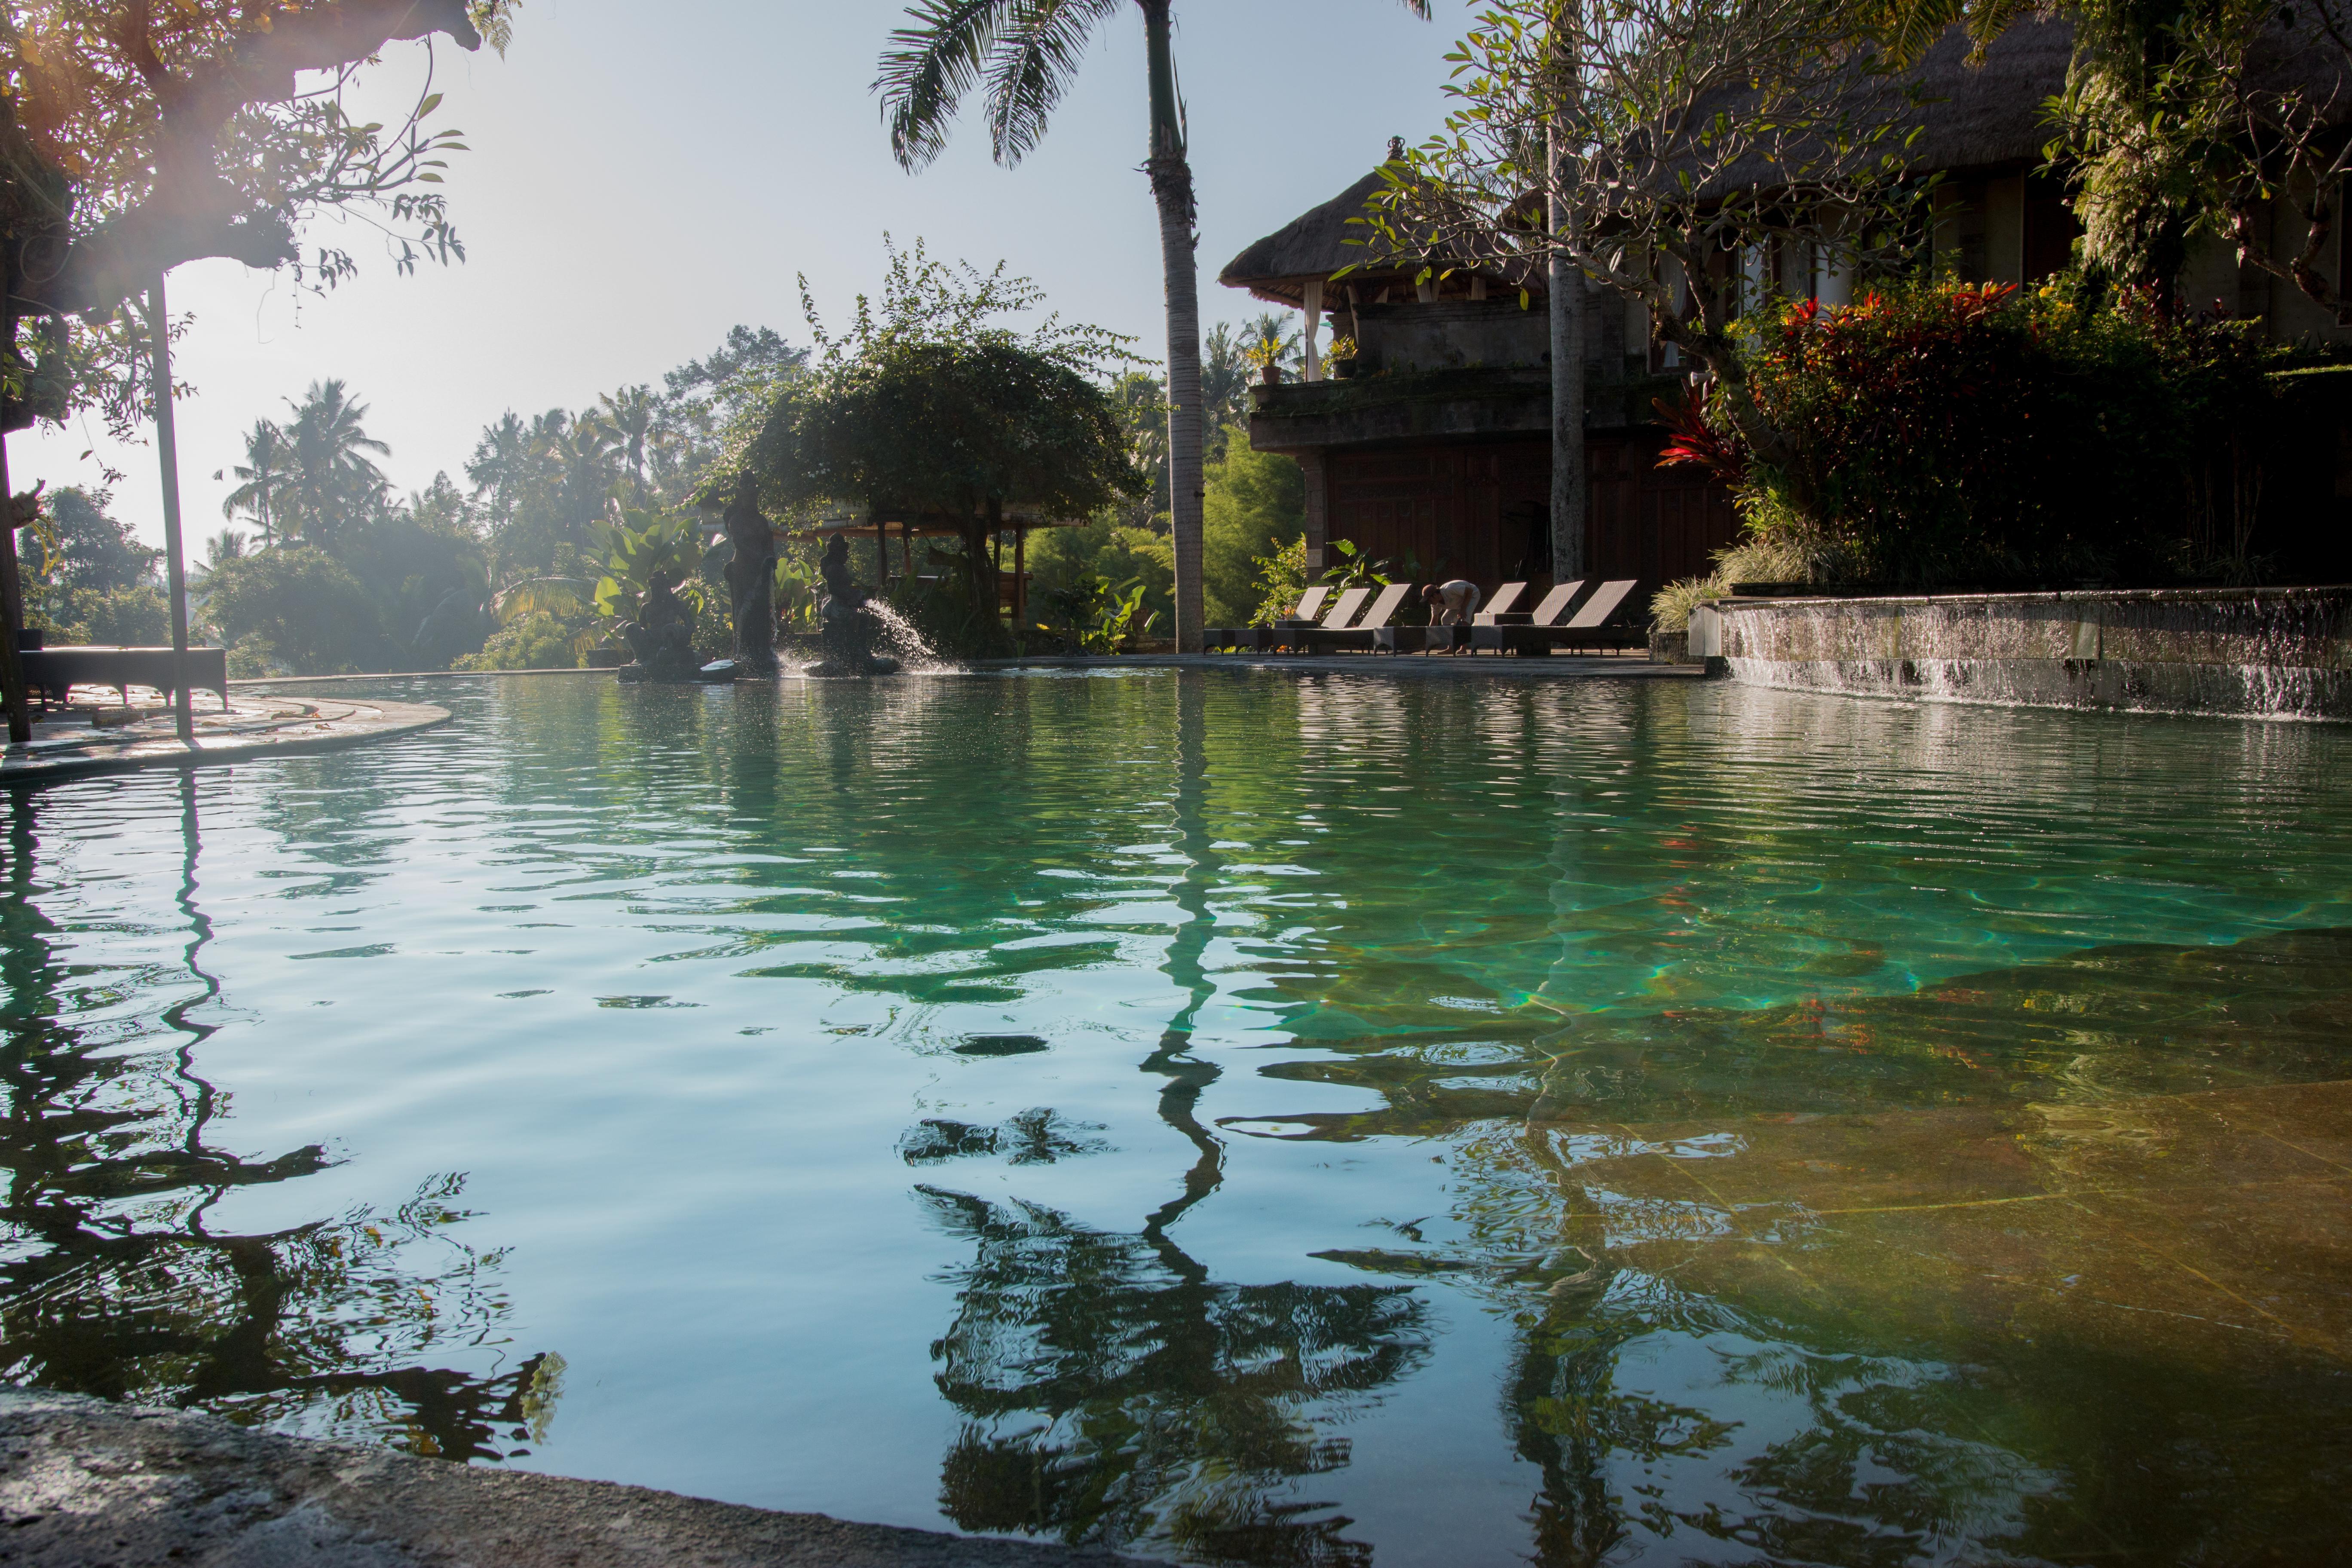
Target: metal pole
point(167, 444)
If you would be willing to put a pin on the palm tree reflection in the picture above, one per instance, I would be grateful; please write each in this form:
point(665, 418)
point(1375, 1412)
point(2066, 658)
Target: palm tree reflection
point(1113, 1392)
point(118, 1281)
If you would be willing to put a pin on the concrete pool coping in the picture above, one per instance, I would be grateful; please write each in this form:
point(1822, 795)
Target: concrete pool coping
point(249, 725)
point(1584, 667)
point(84, 1482)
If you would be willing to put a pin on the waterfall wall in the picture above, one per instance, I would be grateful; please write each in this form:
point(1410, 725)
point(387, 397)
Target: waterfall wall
point(2268, 653)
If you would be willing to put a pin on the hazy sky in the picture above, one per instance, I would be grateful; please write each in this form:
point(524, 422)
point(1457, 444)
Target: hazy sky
point(635, 189)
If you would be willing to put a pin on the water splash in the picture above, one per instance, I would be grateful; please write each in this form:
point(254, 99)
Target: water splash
point(903, 643)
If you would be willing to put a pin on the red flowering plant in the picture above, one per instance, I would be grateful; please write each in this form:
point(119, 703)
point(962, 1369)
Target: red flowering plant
point(1959, 434)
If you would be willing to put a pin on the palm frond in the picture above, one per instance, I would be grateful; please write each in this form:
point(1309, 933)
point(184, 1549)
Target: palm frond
point(929, 67)
point(1036, 52)
point(558, 596)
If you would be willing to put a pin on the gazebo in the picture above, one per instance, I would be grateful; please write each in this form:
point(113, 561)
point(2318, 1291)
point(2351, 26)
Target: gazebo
point(1012, 588)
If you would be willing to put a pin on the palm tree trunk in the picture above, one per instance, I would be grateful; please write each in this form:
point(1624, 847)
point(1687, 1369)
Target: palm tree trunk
point(1171, 188)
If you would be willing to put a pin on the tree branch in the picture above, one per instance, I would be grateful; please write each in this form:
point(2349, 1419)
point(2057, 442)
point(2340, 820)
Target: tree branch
point(193, 213)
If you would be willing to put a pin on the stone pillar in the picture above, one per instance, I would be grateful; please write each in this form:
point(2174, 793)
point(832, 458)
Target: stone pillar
point(1318, 507)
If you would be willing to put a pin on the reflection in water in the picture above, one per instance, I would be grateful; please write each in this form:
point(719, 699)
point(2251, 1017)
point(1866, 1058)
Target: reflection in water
point(1118, 1395)
point(119, 1282)
point(1241, 1119)
point(1114, 1394)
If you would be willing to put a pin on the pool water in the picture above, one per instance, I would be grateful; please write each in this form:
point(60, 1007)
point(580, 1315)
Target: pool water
point(1234, 1117)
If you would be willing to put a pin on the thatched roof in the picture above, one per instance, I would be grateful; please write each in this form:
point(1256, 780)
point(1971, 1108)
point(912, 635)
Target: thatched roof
point(1324, 239)
point(1979, 116)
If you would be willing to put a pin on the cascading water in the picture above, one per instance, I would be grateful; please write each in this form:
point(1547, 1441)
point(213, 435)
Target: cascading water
point(2265, 654)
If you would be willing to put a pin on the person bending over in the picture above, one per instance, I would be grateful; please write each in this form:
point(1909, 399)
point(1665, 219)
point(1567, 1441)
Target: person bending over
point(1450, 603)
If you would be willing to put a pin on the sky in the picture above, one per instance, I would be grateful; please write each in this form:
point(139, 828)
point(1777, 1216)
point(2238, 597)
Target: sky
point(635, 187)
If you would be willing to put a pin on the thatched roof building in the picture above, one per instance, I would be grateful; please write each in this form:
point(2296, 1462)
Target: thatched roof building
point(1325, 239)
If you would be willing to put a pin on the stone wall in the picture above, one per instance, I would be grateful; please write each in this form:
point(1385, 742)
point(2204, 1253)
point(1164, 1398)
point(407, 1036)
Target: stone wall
point(2270, 653)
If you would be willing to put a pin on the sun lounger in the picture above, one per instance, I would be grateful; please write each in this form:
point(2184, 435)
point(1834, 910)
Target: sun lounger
point(1505, 603)
point(1588, 628)
point(1364, 633)
point(1293, 634)
point(1432, 638)
point(1253, 639)
point(1488, 637)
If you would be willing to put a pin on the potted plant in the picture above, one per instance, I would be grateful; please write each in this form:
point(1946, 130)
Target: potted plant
point(1341, 357)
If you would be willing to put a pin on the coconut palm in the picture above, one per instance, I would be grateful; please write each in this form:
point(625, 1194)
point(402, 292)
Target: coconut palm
point(268, 457)
point(630, 414)
point(501, 466)
point(1021, 54)
point(333, 480)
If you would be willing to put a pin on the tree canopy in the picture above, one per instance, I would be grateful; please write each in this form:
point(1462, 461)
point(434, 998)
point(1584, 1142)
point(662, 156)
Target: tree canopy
point(134, 137)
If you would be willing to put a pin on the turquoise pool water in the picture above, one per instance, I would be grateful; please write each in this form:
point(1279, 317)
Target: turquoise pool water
point(1239, 1117)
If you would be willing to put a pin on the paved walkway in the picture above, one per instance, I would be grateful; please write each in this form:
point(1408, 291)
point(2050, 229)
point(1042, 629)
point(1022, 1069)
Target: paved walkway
point(84, 1484)
point(108, 737)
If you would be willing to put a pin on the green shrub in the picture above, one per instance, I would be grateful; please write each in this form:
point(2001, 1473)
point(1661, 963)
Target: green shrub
point(1944, 433)
point(536, 641)
point(302, 602)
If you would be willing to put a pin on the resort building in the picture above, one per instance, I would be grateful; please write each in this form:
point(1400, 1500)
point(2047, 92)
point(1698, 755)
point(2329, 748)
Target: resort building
point(1433, 443)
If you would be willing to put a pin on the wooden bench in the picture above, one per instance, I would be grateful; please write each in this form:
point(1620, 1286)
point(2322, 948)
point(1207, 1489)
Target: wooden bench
point(53, 672)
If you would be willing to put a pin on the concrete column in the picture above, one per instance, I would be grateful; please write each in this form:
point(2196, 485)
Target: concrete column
point(1318, 507)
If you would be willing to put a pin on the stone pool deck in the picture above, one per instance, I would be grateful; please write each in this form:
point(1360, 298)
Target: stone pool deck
point(84, 1483)
point(103, 738)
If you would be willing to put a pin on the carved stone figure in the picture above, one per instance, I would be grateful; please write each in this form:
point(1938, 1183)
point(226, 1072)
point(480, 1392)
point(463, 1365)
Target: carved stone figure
point(662, 636)
point(752, 581)
point(847, 626)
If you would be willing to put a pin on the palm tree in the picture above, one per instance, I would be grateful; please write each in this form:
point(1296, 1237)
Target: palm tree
point(264, 471)
point(1023, 54)
point(581, 447)
point(630, 414)
point(333, 481)
point(501, 466)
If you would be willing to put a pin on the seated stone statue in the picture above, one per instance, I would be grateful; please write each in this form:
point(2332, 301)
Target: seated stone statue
point(662, 636)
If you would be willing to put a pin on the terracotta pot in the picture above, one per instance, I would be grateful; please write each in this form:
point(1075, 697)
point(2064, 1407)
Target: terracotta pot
point(1270, 374)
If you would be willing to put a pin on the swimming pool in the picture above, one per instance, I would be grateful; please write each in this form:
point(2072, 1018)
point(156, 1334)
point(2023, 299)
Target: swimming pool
point(1233, 1116)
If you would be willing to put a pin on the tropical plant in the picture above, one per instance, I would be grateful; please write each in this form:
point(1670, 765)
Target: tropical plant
point(1281, 581)
point(1354, 568)
point(1097, 617)
point(1021, 54)
point(640, 546)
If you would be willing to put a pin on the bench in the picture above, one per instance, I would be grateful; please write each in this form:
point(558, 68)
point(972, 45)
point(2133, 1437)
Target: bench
point(53, 672)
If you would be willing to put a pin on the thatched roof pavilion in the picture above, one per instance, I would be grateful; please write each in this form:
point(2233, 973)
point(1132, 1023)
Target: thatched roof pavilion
point(1327, 238)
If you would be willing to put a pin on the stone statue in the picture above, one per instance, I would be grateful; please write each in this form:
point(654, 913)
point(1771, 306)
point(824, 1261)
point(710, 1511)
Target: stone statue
point(751, 582)
point(662, 636)
point(848, 626)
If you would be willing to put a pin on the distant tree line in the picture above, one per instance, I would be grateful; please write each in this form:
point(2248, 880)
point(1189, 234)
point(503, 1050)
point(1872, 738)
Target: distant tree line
point(324, 567)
